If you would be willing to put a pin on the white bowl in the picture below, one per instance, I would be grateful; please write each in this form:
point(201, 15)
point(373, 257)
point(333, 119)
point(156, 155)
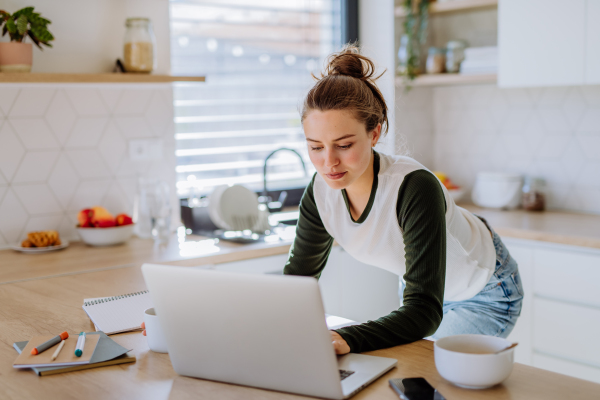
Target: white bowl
point(456, 194)
point(467, 360)
point(106, 236)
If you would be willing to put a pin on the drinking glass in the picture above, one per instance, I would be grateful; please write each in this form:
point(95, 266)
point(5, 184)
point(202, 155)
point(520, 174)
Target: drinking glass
point(152, 211)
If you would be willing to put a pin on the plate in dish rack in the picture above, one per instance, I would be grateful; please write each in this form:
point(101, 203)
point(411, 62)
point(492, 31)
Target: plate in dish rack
point(37, 250)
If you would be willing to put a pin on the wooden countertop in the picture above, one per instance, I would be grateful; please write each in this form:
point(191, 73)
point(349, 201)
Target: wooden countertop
point(548, 226)
point(47, 306)
point(181, 250)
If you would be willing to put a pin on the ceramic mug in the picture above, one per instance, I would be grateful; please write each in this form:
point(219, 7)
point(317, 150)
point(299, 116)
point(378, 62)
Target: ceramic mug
point(154, 333)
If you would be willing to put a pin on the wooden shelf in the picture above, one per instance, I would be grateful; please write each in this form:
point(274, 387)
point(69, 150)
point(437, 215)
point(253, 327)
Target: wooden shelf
point(453, 6)
point(449, 79)
point(94, 78)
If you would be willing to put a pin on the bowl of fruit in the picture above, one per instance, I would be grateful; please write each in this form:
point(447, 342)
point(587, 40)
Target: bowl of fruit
point(456, 192)
point(98, 227)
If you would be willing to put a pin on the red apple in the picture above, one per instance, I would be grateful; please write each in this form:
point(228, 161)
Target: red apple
point(101, 218)
point(123, 219)
point(85, 218)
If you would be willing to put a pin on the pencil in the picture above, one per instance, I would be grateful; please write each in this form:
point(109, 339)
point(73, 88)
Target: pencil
point(60, 346)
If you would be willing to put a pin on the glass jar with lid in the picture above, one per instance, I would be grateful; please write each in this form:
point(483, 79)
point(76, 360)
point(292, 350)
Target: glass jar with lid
point(436, 59)
point(139, 50)
point(534, 194)
point(455, 54)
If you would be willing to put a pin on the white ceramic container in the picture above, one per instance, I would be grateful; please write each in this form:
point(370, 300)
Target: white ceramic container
point(497, 190)
point(468, 360)
point(106, 236)
point(154, 333)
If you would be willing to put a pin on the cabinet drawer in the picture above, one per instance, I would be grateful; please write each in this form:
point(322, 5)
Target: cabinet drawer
point(566, 367)
point(568, 275)
point(567, 331)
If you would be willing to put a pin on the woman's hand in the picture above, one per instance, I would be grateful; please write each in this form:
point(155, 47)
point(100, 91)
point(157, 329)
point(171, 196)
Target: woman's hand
point(339, 344)
point(144, 328)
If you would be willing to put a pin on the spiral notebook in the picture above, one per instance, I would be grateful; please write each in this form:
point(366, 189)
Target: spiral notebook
point(118, 314)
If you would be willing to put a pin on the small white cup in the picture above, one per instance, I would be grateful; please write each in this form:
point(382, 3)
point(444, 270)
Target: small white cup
point(154, 333)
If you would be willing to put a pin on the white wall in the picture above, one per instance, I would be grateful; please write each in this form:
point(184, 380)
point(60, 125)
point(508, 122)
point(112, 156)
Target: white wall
point(551, 132)
point(376, 33)
point(64, 147)
point(89, 33)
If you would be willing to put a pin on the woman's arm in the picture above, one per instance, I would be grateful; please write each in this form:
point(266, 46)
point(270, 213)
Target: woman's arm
point(421, 213)
point(312, 244)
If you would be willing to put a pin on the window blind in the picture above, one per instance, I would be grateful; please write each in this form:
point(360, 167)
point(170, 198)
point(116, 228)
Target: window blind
point(257, 57)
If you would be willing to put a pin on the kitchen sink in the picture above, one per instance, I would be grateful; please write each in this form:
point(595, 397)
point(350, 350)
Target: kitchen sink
point(284, 217)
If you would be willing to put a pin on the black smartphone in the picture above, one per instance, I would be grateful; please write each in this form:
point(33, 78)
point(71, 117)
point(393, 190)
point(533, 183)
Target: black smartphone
point(415, 389)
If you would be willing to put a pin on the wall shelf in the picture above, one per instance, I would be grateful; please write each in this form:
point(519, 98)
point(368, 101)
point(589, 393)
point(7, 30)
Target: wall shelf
point(453, 6)
point(449, 79)
point(94, 78)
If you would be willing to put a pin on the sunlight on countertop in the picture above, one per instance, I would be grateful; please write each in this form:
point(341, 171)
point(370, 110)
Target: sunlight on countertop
point(192, 248)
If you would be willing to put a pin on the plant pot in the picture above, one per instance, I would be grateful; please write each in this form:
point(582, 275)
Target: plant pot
point(16, 57)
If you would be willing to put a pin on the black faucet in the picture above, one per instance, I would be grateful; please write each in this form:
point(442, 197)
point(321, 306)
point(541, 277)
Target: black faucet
point(274, 206)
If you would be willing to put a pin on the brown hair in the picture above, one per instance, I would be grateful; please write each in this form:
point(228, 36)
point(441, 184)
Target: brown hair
point(349, 84)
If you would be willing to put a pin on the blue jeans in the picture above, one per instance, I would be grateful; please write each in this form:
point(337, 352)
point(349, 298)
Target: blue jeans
point(494, 310)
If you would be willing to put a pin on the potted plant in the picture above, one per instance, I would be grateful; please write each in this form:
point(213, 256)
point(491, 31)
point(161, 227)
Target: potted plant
point(415, 35)
point(16, 56)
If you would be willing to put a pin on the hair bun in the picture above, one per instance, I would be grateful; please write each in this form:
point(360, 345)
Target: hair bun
point(350, 62)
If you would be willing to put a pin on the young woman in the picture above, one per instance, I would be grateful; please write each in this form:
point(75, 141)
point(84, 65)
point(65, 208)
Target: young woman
point(391, 212)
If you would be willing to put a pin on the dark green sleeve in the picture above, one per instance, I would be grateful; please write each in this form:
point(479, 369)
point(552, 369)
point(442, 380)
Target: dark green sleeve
point(421, 210)
point(312, 244)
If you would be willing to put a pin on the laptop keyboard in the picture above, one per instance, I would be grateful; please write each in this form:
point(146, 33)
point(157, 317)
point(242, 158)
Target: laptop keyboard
point(344, 374)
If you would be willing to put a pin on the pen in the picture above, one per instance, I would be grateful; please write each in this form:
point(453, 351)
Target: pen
point(60, 346)
point(80, 344)
point(46, 345)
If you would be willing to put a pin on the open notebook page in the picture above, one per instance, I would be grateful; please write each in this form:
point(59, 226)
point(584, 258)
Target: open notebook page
point(118, 314)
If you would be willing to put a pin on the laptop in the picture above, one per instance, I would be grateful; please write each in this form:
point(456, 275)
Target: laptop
point(265, 331)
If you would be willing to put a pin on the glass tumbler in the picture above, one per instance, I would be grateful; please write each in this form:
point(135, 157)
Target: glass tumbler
point(152, 210)
point(160, 212)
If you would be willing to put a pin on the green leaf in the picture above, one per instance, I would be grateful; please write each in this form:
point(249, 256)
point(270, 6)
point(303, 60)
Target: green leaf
point(35, 40)
point(42, 35)
point(10, 24)
point(22, 24)
point(23, 11)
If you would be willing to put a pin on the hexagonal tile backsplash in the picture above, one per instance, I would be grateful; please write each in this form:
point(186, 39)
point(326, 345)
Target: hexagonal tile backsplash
point(64, 147)
point(553, 133)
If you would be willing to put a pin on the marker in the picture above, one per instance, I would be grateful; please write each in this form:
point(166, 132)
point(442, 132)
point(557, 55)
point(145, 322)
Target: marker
point(60, 346)
point(80, 344)
point(45, 346)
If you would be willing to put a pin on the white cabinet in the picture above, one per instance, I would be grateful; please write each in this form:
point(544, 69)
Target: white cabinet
point(542, 42)
point(364, 292)
point(522, 332)
point(548, 42)
point(592, 61)
point(349, 288)
point(560, 322)
point(262, 265)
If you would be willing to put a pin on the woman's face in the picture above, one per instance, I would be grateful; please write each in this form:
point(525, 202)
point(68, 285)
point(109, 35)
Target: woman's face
point(339, 146)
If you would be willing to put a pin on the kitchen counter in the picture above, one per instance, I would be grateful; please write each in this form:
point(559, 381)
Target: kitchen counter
point(46, 306)
point(548, 226)
point(191, 250)
point(183, 250)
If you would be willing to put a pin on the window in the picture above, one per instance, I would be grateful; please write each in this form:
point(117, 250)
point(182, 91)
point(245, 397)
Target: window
point(257, 57)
